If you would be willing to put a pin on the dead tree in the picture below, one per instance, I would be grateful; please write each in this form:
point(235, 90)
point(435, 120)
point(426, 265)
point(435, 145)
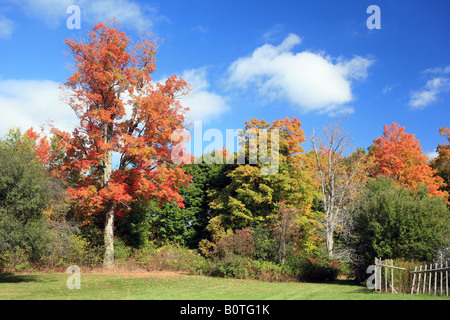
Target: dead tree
point(339, 176)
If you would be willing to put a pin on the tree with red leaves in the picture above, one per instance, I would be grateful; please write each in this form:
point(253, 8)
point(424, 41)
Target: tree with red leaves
point(123, 115)
point(398, 155)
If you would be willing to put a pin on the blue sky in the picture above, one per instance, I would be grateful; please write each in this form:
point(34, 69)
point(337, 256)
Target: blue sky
point(316, 60)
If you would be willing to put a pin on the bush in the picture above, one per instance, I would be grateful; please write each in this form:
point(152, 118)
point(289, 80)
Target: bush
point(169, 257)
point(77, 251)
point(21, 243)
point(271, 271)
point(179, 259)
point(121, 252)
point(233, 266)
point(313, 269)
point(266, 248)
point(86, 254)
point(240, 243)
point(144, 255)
point(13, 260)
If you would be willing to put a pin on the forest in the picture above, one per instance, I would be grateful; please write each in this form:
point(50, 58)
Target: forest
point(110, 195)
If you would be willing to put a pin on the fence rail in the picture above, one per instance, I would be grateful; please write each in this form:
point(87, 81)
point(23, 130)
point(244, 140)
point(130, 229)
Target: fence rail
point(387, 264)
point(439, 273)
point(425, 279)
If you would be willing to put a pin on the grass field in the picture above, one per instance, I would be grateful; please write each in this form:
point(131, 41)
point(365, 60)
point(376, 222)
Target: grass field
point(175, 286)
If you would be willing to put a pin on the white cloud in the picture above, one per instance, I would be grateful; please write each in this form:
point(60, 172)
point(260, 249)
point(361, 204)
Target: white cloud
point(6, 27)
point(310, 81)
point(127, 12)
point(429, 93)
point(389, 88)
point(271, 34)
point(203, 104)
point(201, 29)
point(31, 103)
point(438, 70)
point(432, 155)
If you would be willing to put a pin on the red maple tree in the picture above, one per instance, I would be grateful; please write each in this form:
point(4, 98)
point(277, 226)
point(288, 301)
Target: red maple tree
point(399, 155)
point(125, 116)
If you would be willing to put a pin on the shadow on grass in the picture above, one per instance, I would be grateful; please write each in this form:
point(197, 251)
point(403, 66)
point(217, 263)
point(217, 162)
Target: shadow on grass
point(346, 282)
point(16, 278)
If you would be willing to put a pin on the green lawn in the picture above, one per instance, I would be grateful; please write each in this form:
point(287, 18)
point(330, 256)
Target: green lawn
point(170, 286)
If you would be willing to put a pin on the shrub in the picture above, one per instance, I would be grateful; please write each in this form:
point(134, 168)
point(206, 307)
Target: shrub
point(233, 266)
point(240, 243)
point(179, 259)
point(266, 248)
point(312, 269)
point(21, 243)
point(13, 260)
point(169, 257)
point(144, 255)
point(79, 251)
point(121, 251)
point(271, 271)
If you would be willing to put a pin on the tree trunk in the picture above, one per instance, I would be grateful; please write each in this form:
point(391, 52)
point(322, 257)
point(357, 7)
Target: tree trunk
point(282, 250)
point(330, 240)
point(108, 261)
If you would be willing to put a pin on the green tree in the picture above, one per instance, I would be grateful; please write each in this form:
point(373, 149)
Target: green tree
point(253, 198)
point(207, 178)
point(168, 222)
point(25, 193)
point(394, 222)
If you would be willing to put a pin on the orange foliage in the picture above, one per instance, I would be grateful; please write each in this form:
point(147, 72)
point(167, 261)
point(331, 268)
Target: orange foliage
point(42, 145)
point(399, 155)
point(108, 69)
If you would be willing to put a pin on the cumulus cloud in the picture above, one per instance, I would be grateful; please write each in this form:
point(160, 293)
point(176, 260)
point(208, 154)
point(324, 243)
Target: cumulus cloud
point(127, 12)
point(204, 105)
point(309, 81)
point(424, 97)
point(31, 103)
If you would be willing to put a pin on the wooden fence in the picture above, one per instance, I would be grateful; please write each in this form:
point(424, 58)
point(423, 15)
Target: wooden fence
point(425, 279)
point(437, 276)
point(389, 267)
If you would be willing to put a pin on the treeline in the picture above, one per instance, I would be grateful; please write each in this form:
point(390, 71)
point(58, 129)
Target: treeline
point(236, 222)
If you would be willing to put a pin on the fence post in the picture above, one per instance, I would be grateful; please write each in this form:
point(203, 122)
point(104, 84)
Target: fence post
point(435, 278)
point(385, 276)
point(418, 281)
point(429, 281)
point(377, 275)
point(442, 292)
point(425, 279)
point(414, 280)
point(446, 277)
point(392, 277)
